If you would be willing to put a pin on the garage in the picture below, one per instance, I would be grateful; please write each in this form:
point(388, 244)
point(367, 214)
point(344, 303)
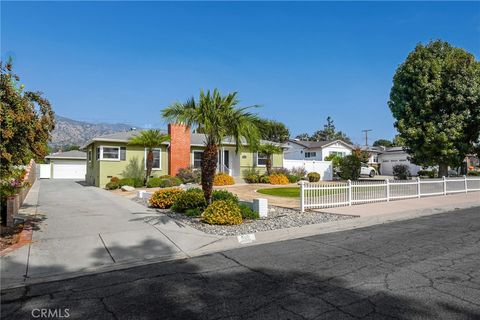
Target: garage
point(65, 165)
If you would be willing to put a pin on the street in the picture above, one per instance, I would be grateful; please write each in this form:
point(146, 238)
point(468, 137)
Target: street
point(424, 268)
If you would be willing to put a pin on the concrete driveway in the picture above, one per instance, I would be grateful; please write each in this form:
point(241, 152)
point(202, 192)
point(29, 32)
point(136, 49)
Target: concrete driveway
point(85, 228)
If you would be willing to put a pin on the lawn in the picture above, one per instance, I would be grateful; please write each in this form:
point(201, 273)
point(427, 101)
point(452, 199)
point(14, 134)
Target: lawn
point(291, 192)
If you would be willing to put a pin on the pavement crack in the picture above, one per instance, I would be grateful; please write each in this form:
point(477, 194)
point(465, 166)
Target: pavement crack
point(106, 248)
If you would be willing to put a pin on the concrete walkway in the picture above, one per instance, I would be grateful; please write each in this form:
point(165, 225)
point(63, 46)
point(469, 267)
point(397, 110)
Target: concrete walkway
point(82, 228)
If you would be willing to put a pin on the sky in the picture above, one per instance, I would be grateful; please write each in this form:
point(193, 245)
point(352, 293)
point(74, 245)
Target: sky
point(122, 62)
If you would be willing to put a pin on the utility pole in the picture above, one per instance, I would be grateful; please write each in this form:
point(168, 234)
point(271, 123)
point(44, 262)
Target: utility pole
point(366, 136)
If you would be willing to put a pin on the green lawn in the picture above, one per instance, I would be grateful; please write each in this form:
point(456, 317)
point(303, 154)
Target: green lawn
point(291, 192)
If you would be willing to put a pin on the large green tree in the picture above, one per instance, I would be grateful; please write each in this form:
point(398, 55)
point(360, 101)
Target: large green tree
point(149, 139)
point(272, 130)
point(217, 117)
point(329, 133)
point(383, 143)
point(435, 100)
point(26, 121)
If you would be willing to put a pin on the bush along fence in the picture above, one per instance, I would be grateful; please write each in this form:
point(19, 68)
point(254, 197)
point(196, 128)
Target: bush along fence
point(322, 195)
point(17, 189)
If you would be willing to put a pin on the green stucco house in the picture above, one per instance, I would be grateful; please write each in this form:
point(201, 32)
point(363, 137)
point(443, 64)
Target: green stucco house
point(110, 156)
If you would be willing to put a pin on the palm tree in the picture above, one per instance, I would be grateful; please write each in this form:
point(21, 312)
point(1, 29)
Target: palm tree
point(217, 117)
point(269, 150)
point(149, 139)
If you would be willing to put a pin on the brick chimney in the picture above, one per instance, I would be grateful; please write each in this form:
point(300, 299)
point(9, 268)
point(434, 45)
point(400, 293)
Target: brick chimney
point(179, 153)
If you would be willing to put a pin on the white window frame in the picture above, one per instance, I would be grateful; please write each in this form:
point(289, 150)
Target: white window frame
point(109, 159)
point(193, 157)
point(311, 154)
point(159, 159)
point(341, 154)
point(261, 165)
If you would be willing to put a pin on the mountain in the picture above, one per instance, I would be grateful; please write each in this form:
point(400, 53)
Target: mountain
point(73, 132)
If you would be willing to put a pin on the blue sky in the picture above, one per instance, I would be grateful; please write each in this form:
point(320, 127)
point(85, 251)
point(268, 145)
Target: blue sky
point(125, 61)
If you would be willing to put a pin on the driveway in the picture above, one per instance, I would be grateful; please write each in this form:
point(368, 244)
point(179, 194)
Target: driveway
point(424, 268)
point(84, 228)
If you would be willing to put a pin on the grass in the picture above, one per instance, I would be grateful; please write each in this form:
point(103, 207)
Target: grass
point(290, 192)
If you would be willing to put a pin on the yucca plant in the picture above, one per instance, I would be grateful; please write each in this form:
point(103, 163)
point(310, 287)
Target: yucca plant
point(269, 149)
point(149, 139)
point(217, 117)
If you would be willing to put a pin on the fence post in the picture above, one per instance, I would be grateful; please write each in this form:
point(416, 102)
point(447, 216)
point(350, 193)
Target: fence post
point(444, 185)
point(388, 189)
point(349, 192)
point(302, 196)
point(419, 192)
point(466, 183)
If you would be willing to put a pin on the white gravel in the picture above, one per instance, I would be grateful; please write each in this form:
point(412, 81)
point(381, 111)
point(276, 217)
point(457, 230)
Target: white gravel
point(278, 218)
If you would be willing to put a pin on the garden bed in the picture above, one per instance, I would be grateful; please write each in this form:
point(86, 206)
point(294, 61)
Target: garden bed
point(278, 218)
point(9, 235)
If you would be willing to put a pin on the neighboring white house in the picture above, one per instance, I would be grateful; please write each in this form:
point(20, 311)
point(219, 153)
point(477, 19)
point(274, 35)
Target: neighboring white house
point(390, 157)
point(65, 165)
point(315, 150)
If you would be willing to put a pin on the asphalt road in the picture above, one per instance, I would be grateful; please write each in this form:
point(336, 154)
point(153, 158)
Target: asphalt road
point(426, 268)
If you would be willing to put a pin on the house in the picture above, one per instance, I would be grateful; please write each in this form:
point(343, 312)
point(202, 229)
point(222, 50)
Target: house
point(110, 156)
point(393, 156)
point(315, 150)
point(65, 165)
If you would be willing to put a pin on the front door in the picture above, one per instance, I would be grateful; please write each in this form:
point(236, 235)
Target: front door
point(223, 161)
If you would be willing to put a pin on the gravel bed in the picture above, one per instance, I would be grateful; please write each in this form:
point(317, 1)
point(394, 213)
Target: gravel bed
point(278, 218)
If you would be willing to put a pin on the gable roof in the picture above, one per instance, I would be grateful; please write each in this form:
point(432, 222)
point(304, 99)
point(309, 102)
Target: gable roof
point(319, 144)
point(73, 154)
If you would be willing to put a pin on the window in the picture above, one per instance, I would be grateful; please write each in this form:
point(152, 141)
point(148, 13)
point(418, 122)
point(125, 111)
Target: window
point(338, 153)
point(197, 159)
point(110, 153)
point(156, 159)
point(89, 155)
point(375, 158)
point(310, 154)
point(261, 159)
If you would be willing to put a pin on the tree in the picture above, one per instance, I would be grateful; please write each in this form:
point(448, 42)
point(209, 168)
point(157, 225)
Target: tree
point(383, 143)
point(269, 150)
point(218, 117)
point(435, 100)
point(26, 121)
point(350, 167)
point(149, 139)
point(329, 133)
point(363, 155)
point(303, 137)
point(272, 130)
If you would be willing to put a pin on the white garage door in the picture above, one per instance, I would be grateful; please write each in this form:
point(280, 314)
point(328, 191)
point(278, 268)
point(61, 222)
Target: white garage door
point(67, 170)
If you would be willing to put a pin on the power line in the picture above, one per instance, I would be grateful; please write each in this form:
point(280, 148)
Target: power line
point(366, 136)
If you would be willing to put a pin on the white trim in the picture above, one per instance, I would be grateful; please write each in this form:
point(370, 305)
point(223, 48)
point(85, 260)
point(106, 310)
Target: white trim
point(109, 159)
point(260, 165)
point(159, 159)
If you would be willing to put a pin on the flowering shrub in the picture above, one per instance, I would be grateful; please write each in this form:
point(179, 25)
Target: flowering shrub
point(165, 198)
point(278, 178)
point(191, 199)
point(189, 175)
point(14, 183)
point(264, 179)
point(223, 179)
point(115, 179)
point(222, 212)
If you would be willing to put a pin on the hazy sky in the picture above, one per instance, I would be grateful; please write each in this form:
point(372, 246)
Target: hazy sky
point(125, 61)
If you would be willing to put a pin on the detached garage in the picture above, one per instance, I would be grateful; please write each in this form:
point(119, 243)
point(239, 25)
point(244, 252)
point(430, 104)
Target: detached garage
point(65, 165)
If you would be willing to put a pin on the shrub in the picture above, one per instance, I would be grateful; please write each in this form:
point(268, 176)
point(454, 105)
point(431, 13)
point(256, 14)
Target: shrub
point(112, 185)
point(299, 172)
point(248, 213)
point(223, 213)
point(224, 195)
point(114, 179)
point(278, 179)
point(253, 178)
point(264, 179)
point(313, 176)
point(191, 199)
point(223, 179)
point(292, 178)
point(189, 175)
point(350, 167)
point(153, 182)
point(126, 182)
point(195, 212)
point(473, 173)
point(283, 171)
point(165, 198)
point(401, 171)
point(164, 182)
point(427, 173)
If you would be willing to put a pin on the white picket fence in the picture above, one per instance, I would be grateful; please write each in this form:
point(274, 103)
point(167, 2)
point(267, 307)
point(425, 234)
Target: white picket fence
point(324, 168)
point(324, 194)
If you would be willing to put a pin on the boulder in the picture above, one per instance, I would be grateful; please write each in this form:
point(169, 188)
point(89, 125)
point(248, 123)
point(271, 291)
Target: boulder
point(128, 188)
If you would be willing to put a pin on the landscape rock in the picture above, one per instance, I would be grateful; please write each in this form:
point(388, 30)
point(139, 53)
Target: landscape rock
point(128, 188)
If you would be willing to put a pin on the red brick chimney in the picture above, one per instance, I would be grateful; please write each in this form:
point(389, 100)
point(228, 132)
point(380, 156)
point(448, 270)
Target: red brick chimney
point(179, 153)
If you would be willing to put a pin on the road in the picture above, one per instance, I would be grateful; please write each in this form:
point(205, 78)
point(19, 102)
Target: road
point(425, 268)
